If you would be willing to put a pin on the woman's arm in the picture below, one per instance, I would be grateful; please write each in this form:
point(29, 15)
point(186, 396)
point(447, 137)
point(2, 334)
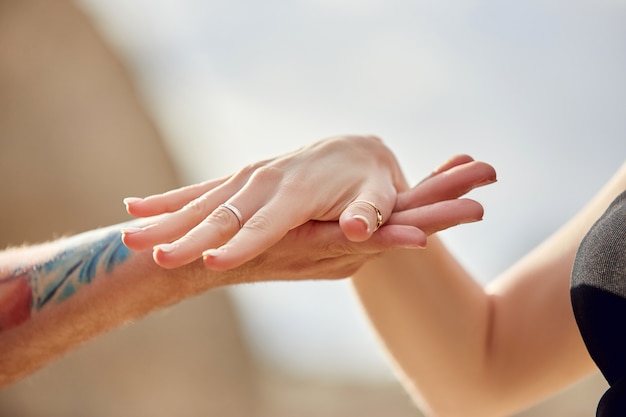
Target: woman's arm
point(467, 351)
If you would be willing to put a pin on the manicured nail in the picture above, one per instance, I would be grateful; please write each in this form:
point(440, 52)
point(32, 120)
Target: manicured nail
point(131, 229)
point(364, 220)
point(415, 245)
point(131, 200)
point(165, 247)
point(212, 253)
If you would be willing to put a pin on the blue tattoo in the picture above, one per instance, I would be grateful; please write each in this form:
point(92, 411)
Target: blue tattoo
point(62, 276)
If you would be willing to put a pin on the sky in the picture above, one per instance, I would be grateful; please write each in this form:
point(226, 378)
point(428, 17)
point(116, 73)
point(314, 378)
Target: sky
point(536, 88)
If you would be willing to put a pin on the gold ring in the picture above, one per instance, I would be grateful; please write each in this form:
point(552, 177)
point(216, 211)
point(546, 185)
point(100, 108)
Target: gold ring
point(379, 215)
point(235, 211)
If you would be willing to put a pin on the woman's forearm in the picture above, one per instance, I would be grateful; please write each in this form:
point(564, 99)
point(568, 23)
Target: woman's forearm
point(467, 351)
point(431, 317)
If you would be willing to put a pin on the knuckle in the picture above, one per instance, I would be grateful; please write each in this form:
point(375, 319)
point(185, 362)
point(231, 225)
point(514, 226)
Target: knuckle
point(260, 223)
point(266, 174)
point(222, 218)
point(335, 248)
point(341, 267)
point(196, 207)
point(247, 171)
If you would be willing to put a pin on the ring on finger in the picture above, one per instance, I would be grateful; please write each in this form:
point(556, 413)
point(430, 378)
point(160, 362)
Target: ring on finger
point(235, 211)
point(379, 215)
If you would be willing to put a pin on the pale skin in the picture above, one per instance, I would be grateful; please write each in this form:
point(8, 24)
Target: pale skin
point(465, 350)
point(274, 199)
point(57, 295)
point(333, 180)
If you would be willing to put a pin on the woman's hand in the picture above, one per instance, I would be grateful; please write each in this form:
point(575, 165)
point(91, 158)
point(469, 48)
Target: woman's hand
point(332, 179)
point(321, 250)
point(430, 206)
point(434, 205)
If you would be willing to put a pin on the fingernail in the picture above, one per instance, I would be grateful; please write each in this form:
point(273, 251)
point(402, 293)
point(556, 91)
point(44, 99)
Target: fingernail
point(131, 200)
point(416, 246)
point(486, 182)
point(165, 247)
point(364, 220)
point(131, 229)
point(210, 253)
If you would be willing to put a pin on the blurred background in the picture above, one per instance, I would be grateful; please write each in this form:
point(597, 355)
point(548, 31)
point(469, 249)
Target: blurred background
point(105, 99)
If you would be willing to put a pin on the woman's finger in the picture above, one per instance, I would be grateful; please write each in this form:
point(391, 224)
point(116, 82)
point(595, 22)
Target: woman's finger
point(449, 184)
point(247, 216)
point(406, 229)
point(432, 218)
point(324, 244)
point(175, 225)
point(367, 212)
point(454, 161)
point(267, 226)
point(221, 225)
point(170, 201)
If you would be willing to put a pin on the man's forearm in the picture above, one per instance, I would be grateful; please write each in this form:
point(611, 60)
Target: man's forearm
point(57, 295)
point(30, 284)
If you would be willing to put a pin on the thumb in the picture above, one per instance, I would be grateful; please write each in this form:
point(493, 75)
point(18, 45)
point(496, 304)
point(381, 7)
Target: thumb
point(365, 215)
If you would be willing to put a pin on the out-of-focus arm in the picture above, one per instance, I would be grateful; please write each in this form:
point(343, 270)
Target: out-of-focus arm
point(464, 350)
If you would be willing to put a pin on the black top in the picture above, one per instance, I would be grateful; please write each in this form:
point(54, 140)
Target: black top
point(598, 294)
